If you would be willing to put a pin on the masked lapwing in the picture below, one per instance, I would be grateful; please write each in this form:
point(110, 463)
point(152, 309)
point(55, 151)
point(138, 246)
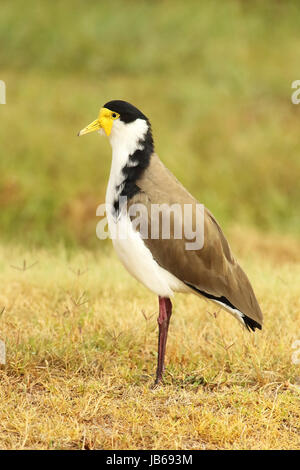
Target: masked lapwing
point(165, 264)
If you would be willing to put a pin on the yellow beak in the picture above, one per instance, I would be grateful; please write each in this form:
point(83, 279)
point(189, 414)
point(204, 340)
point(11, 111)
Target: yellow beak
point(94, 126)
point(104, 121)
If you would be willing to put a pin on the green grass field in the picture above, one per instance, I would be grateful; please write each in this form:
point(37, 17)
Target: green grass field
point(215, 80)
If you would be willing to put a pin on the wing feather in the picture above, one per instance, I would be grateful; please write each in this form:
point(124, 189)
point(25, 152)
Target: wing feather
point(211, 271)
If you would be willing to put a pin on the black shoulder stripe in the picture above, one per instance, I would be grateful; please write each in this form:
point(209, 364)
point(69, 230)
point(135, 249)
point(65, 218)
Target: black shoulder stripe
point(133, 170)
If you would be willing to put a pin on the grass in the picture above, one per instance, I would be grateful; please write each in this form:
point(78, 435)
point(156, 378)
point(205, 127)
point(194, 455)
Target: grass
point(214, 79)
point(81, 341)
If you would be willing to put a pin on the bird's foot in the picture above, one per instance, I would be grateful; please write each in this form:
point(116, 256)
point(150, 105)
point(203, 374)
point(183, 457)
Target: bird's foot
point(157, 383)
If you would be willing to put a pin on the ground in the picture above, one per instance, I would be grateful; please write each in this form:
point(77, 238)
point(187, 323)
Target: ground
point(215, 80)
point(81, 340)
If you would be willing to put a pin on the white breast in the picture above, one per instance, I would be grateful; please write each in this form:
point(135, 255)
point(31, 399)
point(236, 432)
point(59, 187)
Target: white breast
point(138, 260)
point(129, 245)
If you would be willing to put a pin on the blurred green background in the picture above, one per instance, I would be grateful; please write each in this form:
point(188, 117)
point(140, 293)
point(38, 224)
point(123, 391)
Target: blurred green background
point(213, 77)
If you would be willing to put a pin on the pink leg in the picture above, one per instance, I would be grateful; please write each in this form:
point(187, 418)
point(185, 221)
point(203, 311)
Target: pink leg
point(165, 312)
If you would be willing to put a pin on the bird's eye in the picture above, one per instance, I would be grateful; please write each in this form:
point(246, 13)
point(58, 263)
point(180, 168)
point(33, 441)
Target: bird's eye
point(114, 115)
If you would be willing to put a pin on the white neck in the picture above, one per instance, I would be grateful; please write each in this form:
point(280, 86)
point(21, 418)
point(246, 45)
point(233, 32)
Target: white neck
point(125, 140)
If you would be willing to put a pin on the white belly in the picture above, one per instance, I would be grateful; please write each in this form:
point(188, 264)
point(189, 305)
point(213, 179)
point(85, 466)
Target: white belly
point(138, 260)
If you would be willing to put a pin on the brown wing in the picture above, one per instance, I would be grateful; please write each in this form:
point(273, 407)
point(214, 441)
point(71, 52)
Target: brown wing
point(210, 271)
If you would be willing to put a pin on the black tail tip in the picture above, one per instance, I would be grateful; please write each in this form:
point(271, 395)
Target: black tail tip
point(251, 324)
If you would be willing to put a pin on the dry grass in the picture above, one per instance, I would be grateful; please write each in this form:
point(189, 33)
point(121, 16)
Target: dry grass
point(81, 351)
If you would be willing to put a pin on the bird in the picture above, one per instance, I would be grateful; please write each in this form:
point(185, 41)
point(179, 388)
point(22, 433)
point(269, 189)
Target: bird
point(165, 265)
